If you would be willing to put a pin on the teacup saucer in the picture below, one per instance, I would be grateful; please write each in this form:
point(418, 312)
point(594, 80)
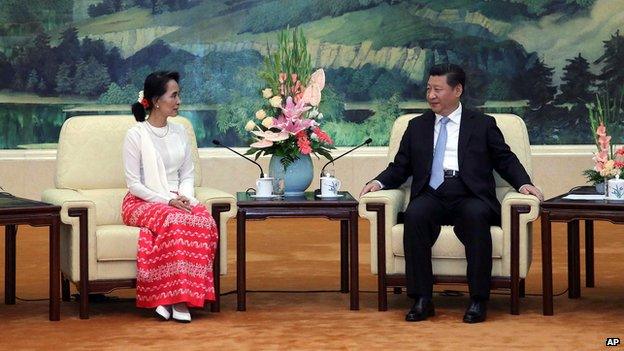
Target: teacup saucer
point(329, 196)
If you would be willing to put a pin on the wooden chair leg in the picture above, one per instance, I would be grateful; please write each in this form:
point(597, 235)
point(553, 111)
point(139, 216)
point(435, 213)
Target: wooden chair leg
point(216, 266)
point(382, 287)
point(398, 290)
point(65, 289)
point(522, 288)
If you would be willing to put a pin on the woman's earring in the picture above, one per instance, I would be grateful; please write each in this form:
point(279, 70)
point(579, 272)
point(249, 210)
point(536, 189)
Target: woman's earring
point(157, 106)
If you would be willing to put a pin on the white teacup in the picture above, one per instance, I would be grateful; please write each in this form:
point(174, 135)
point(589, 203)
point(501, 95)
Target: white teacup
point(264, 187)
point(330, 186)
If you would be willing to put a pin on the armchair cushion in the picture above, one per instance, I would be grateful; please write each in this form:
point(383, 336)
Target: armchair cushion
point(117, 242)
point(447, 245)
point(108, 204)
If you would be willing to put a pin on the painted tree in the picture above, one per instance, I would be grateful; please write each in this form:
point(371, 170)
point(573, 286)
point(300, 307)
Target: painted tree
point(612, 73)
point(68, 50)
point(6, 72)
point(64, 79)
point(539, 88)
point(91, 78)
point(577, 81)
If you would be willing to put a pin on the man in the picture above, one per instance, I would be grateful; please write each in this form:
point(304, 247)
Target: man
point(450, 152)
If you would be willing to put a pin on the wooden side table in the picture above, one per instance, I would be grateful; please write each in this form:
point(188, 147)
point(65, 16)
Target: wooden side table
point(343, 208)
point(15, 211)
point(559, 209)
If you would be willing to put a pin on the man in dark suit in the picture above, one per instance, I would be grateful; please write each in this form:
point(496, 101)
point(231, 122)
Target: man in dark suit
point(452, 184)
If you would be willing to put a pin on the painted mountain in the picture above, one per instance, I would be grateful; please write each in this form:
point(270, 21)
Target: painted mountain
point(541, 59)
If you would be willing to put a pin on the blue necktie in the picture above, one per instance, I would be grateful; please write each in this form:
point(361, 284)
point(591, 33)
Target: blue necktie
point(437, 168)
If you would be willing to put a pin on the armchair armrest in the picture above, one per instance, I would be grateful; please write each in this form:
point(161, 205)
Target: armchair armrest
point(392, 200)
point(526, 208)
point(515, 198)
point(70, 200)
point(386, 203)
point(210, 197)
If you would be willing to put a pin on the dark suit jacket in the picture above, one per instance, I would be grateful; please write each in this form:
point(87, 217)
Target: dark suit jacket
point(481, 149)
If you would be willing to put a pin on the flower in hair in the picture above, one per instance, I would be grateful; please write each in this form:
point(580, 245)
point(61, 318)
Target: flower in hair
point(142, 100)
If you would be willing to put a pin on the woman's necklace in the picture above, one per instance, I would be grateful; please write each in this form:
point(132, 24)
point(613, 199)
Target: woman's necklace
point(153, 130)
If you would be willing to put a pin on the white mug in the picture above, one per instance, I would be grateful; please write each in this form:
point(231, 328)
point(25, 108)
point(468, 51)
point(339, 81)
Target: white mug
point(264, 187)
point(330, 186)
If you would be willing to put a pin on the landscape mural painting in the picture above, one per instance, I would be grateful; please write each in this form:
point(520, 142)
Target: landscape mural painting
point(544, 60)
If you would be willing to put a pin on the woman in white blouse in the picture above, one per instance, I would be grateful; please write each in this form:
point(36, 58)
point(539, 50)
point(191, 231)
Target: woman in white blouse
point(178, 235)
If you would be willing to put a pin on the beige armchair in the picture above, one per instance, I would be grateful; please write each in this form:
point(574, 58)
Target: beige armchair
point(98, 252)
point(511, 242)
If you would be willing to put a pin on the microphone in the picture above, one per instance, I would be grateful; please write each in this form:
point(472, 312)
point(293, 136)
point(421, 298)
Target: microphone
point(368, 141)
point(218, 143)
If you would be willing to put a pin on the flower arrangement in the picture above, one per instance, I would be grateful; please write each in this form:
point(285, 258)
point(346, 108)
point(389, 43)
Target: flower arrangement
point(608, 160)
point(608, 163)
point(288, 124)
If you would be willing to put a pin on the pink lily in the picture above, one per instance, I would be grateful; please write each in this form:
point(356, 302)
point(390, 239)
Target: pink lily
point(293, 125)
point(292, 111)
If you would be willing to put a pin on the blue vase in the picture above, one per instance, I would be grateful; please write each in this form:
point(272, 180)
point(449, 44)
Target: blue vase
point(296, 178)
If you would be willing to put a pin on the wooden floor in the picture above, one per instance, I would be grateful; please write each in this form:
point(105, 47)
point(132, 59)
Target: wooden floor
point(302, 255)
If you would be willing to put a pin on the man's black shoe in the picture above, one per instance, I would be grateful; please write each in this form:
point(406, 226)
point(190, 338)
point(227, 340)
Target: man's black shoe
point(422, 309)
point(476, 312)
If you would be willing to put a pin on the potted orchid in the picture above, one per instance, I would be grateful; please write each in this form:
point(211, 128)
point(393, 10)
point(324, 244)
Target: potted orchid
point(287, 127)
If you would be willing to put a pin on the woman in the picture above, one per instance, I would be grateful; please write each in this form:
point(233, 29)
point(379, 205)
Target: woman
point(178, 235)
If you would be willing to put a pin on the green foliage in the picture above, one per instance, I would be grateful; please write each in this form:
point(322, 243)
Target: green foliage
point(332, 105)
point(608, 110)
point(291, 57)
point(235, 114)
point(33, 82)
point(370, 82)
point(117, 95)
point(284, 13)
point(91, 78)
point(612, 72)
point(377, 127)
point(64, 82)
point(380, 124)
point(593, 176)
point(499, 90)
point(23, 18)
point(6, 72)
point(220, 77)
point(348, 133)
point(106, 7)
point(539, 88)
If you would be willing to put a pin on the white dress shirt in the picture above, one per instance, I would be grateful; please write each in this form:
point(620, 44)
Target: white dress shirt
point(452, 138)
point(172, 146)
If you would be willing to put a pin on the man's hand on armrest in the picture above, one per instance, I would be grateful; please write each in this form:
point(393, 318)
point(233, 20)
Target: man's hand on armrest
point(373, 185)
point(528, 189)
